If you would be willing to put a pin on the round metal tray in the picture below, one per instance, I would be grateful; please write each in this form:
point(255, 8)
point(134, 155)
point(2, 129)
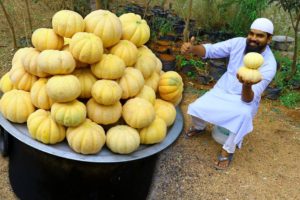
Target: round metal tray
point(20, 132)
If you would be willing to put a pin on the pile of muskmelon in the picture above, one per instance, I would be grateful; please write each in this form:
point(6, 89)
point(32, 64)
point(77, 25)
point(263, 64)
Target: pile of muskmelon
point(91, 82)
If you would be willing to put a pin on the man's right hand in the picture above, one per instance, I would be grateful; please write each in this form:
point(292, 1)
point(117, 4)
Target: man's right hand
point(187, 47)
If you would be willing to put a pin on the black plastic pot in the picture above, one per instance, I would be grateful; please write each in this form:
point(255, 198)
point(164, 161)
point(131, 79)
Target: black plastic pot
point(53, 172)
point(200, 78)
point(204, 79)
point(178, 28)
point(134, 8)
point(217, 68)
point(188, 69)
point(159, 11)
point(272, 93)
point(178, 20)
point(168, 62)
point(163, 49)
point(192, 23)
point(167, 37)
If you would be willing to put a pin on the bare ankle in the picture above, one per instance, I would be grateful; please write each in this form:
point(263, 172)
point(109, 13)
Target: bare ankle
point(224, 153)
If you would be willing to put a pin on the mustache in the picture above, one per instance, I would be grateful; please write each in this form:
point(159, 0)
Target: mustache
point(250, 48)
point(251, 41)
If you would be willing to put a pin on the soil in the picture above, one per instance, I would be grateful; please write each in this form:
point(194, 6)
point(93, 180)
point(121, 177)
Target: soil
point(266, 167)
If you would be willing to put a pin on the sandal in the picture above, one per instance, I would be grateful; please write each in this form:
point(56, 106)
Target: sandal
point(222, 159)
point(192, 132)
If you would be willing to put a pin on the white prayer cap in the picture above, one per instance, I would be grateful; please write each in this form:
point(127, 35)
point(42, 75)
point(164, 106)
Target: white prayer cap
point(263, 24)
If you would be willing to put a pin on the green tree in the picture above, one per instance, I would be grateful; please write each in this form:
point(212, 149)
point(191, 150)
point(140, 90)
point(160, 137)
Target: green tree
point(246, 11)
point(292, 7)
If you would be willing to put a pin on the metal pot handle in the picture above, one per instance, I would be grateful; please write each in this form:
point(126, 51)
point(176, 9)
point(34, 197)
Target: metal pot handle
point(3, 142)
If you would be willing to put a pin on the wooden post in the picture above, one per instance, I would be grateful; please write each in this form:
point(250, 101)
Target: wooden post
point(186, 33)
point(103, 4)
point(295, 56)
point(29, 16)
point(10, 24)
point(98, 4)
point(146, 8)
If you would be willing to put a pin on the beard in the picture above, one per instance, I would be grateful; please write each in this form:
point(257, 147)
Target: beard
point(258, 48)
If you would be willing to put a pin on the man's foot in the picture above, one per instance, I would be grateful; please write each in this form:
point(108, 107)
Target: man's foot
point(224, 160)
point(193, 131)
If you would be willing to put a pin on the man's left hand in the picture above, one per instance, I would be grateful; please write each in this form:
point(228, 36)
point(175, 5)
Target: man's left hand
point(244, 82)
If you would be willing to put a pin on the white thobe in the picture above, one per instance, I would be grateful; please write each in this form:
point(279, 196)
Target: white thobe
point(222, 105)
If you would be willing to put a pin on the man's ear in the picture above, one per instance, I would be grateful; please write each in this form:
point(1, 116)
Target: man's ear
point(270, 39)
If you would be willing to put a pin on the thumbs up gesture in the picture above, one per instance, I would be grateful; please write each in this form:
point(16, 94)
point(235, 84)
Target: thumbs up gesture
point(187, 47)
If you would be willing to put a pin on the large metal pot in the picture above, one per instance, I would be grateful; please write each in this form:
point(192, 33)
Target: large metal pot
point(39, 171)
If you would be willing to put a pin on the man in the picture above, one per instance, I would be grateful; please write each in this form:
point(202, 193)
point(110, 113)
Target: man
point(232, 103)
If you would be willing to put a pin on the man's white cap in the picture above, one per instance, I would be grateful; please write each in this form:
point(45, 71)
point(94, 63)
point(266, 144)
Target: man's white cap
point(263, 24)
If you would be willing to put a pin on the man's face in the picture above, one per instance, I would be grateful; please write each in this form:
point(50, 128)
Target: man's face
point(257, 41)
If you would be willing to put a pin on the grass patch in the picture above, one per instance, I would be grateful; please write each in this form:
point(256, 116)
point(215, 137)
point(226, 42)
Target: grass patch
point(291, 99)
point(192, 90)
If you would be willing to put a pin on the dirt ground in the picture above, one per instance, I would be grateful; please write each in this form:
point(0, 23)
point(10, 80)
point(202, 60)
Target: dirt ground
point(265, 168)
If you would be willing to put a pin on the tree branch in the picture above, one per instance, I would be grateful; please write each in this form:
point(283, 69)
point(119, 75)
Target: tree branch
point(29, 17)
point(292, 20)
point(187, 21)
point(294, 64)
point(10, 24)
point(146, 8)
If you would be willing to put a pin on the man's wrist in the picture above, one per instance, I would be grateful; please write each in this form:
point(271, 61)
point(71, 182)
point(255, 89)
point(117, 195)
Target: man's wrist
point(247, 86)
point(192, 48)
point(247, 93)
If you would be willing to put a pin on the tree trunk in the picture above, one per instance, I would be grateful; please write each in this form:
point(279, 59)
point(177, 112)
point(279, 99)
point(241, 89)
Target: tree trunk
point(186, 33)
point(29, 16)
point(103, 4)
point(146, 8)
point(11, 26)
point(294, 64)
point(98, 4)
point(162, 3)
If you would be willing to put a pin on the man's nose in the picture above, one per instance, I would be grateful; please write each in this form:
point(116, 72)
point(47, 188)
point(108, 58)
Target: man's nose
point(253, 37)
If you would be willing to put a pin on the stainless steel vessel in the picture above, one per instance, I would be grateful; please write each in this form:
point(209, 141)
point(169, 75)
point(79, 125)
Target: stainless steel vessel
point(39, 171)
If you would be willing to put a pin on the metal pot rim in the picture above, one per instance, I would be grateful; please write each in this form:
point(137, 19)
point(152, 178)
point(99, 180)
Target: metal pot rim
point(20, 132)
